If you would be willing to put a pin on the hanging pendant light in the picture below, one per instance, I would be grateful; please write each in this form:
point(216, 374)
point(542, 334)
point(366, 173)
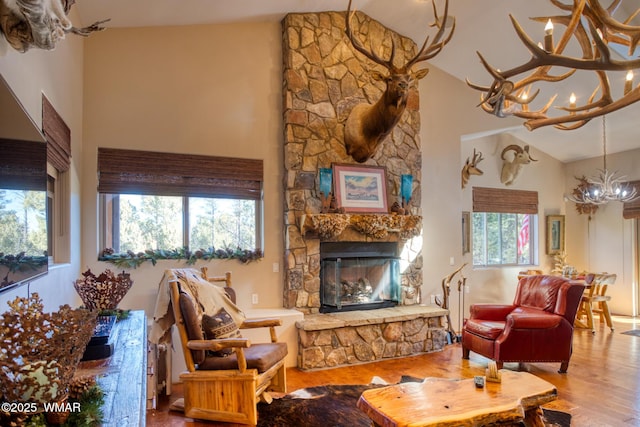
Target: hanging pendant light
point(605, 187)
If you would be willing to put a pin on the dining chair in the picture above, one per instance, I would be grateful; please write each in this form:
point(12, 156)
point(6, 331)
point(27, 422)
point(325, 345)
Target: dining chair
point(595, 299)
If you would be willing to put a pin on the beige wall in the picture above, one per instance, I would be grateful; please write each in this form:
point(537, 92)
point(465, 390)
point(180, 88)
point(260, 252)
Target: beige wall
point(605, 243)
point(212, 90)
point(450, 122)
point(542, 176)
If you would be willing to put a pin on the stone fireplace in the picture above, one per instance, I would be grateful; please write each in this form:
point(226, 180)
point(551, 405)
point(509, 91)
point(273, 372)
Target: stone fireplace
point(323, 81)
point(324, 78)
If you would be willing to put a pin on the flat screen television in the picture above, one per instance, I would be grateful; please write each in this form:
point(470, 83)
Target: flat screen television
point(23, 195)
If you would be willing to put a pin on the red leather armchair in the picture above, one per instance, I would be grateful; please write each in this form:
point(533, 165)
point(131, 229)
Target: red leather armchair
point(537, 327)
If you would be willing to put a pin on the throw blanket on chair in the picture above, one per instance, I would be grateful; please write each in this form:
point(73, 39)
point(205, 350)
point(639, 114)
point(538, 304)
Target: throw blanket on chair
point(211, 298)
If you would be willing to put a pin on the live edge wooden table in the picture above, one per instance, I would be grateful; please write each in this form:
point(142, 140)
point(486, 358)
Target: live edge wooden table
point(123, 376)
point(445, 402)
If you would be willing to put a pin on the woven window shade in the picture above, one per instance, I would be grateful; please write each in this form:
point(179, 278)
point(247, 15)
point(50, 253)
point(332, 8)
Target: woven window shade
point(631, 210)
point(58, 137)
point(23, 165)
point(505, 201)
point(171, 174)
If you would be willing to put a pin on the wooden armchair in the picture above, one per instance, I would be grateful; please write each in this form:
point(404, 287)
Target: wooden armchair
point(226, 388)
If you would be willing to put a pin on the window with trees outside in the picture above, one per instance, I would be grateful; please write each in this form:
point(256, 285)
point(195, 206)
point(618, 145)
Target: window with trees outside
point(137, 223)
point(503, 227)
point(164, 202)
point(503, 239)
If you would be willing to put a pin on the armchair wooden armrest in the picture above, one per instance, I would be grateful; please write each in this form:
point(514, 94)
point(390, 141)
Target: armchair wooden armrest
point(264, 322)
point(218, 344)
point(261, 322)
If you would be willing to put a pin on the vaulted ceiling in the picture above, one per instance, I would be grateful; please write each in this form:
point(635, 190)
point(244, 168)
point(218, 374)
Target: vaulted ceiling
point(481, 25)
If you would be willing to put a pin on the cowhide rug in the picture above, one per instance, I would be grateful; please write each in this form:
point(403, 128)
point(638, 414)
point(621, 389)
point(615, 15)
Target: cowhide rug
point(335, 406)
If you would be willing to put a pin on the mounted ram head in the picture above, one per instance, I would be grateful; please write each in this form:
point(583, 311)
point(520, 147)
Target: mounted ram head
point(511, 168)
point(368, 125)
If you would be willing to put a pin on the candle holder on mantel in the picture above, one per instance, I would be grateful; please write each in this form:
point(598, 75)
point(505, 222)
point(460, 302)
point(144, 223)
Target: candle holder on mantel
point(326, 178)
point(406, 189)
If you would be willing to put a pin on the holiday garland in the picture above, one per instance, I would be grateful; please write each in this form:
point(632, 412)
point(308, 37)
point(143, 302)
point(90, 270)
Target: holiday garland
point(131, 259)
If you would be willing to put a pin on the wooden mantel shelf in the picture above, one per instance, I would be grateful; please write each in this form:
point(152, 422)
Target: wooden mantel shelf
point(377, 226)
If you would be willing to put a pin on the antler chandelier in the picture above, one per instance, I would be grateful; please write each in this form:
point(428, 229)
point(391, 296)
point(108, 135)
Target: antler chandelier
point(595, 31)
point(606, 186)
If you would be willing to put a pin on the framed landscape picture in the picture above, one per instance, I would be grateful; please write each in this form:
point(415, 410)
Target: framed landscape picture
point(555, 234)
point(361, 189)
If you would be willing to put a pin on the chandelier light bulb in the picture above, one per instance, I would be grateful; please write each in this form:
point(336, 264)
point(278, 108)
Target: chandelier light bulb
point(548, 36)
point(628, 84)
point(572, 101)
point(548, 28)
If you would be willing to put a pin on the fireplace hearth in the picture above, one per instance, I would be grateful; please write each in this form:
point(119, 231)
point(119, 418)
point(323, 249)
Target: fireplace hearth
point(358, 276)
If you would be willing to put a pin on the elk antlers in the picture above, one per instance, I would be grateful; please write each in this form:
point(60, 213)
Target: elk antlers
point(427, 51)
point(507, 97)
point(368, 125)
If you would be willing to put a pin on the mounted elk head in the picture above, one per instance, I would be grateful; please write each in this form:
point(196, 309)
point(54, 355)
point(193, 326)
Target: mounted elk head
point(511, 168)
point(471, 167)
point(368, 125)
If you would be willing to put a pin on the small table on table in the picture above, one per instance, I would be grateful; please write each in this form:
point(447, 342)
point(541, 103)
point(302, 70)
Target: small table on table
point(445, 402)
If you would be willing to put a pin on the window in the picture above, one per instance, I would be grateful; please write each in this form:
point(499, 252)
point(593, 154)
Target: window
point(163, 201)
point(140, 222)
point(58, 137)
point(503, 227)
point(503, 239)
point(51, 214)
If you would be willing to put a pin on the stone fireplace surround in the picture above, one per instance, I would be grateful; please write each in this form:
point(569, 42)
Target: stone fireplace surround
point(323, 80)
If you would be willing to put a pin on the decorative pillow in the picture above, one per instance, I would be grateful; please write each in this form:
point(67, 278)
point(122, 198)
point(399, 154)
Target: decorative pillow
point(220, 325)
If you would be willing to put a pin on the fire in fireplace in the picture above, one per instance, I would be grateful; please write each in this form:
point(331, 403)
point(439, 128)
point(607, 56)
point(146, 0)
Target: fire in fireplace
point(358, 275)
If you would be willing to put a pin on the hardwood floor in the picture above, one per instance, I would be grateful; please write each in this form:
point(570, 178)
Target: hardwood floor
point(600, 389)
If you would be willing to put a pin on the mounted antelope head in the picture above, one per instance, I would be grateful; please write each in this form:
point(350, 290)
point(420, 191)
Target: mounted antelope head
point(368, 125)
point(471, 167)
point(511, 168)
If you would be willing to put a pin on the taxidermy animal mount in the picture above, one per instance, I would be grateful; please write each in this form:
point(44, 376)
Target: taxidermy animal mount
point(368, 125)
point(471, 167)
point(39, 23)
point(511, 168)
